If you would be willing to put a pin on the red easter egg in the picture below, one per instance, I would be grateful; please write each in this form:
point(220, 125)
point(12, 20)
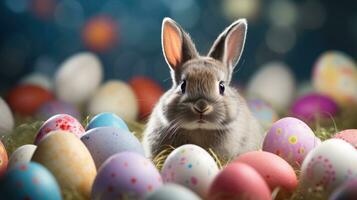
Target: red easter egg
point(275, 170)
point(148, 94)
point(3, 159)
point(239, 181)
point(100, 33)
point(26, 99)
point(349, 136)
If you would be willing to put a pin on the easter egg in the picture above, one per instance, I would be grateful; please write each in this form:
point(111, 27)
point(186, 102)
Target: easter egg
point(329, 165)
point(29, 181)
point(103, 142)
point(349, 136)
point(172, 192)
point(314, 106)
point(67, 158)
point(3, 159)
point(335, 75)
point(78, 77)
point(273, 83)
point(291, 139)
point(239, 181)
point(116, 97)
point(305, 88)
point(100, 33)
point(56, 107)
point(263, 112)
point(190, 166)
point(148, 94)
point(6, 118)
point(60, 122)
point(22, 155)
point(346, 191)
point(38, 79)
point(107, 119)
point(26, 99)
point(125, 175)
point(274, 170)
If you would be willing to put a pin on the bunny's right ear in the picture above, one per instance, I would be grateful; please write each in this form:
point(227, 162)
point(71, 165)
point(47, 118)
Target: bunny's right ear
point(177, 46)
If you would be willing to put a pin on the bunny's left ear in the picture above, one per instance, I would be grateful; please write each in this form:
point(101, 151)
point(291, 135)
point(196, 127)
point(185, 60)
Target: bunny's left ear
point(229, 45)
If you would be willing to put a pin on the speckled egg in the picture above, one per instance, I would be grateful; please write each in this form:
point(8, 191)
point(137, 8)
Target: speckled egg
point(56, 107)
point(107, 119)
point(239, 181)
point(7, 121)
point(263, 112)
point(173, 192)
point(335, 74)
point(22, 155)
point(60, 122)
point(68, 159)
point(29, 181)
point(329, 165)
point(4, 160)
point(125, 175)
point(349, 136)
point(346, 191)
point(190, 166)
point(291, 139)
point(103, 142)
point(274, 170)
point(314, 106)
point(116, 97)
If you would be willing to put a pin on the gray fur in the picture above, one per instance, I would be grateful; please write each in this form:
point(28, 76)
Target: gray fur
point(229, 127)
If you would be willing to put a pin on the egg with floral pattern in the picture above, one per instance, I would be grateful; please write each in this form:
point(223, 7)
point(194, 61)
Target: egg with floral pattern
point(125, 175)
point(190, 166)
point(329, 165)
point(62, 122)
point(291, 139)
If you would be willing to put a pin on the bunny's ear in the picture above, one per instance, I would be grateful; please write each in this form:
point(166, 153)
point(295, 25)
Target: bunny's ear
point(229, 45)
point(177, 46)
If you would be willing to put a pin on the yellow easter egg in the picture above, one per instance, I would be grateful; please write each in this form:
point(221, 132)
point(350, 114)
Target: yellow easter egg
point(335, 75)
point(67, 158)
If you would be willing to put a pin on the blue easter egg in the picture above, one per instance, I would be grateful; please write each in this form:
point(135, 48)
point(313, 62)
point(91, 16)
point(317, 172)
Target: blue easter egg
point(107, 119)
point(103, 142)
point(29, 181)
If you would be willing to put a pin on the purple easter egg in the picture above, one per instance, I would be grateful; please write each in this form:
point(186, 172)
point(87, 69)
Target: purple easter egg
point(291, 139)
point(60, 122)
point(55, 107)
point(125, 175)
point(311, 106)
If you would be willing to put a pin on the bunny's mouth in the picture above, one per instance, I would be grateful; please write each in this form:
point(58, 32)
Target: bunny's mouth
point(201, 120)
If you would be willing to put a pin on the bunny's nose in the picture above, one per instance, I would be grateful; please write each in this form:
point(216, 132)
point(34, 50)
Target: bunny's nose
point(202, 107)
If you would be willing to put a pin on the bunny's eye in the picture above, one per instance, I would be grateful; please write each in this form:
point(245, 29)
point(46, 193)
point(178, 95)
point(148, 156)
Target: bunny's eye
point(221, 87)
point(183, 86)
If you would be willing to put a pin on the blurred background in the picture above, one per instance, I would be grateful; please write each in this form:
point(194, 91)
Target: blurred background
point(37, 35)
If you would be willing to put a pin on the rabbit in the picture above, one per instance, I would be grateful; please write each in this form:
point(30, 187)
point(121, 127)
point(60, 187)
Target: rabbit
point(201, 107)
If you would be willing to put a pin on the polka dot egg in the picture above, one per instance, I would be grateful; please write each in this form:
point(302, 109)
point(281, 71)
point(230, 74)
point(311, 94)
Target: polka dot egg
point(190, 166)
point(125, 175)
point(291, 139)
point(60, 122)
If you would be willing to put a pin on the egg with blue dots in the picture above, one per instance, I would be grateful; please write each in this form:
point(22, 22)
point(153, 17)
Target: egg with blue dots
point(291, 139)
point(103, 142)
point(107, 119)
point(126, 175)
point(173, 192)
point(29, 181)
point(329, 166)
point(190, 166)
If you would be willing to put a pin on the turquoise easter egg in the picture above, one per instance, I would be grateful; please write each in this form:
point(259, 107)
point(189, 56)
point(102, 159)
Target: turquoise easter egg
point(107, 119)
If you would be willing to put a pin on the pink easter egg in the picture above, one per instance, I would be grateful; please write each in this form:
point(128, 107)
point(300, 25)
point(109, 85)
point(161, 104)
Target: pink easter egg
point(349, 136)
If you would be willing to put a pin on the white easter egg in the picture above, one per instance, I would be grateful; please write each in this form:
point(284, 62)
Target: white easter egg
point(273, 83)
point(6, 118)
point(191, 166)
point(116, 97)
point(22, 155)
point(329, 165)
point(39, 80)
point(78, 77)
